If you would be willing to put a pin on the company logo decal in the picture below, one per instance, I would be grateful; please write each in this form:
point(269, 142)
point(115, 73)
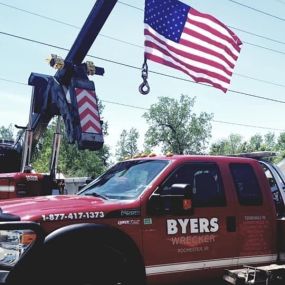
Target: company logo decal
point(32, 178)
point(192, 226)
point(129, 222)
point(130, 213)
point(147, 221)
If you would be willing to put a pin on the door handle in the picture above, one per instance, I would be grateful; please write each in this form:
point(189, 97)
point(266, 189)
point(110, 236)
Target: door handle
point(231, 224)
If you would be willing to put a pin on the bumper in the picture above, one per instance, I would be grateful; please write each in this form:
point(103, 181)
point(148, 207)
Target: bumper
point(3, 276)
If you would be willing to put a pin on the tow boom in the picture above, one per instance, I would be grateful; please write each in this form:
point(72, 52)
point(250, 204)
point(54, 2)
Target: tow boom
point(70, 94)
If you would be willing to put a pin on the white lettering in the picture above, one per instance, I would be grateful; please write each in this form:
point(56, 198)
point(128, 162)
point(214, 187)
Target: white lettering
point(214, 225)
point(204, 225)
point(172, 227)
point(194, 226)
point(183, 223)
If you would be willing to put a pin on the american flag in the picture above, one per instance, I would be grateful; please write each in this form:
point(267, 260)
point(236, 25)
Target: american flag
point(198, 44)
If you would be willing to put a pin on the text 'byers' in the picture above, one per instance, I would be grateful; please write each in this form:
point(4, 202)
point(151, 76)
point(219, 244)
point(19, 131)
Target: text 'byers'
point(192, 226)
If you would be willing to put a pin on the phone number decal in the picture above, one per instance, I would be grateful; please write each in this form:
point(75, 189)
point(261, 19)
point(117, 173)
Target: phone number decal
point(73, 216)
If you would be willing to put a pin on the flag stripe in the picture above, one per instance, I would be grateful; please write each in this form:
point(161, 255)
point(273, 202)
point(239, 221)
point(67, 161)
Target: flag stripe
point(190, 49)
point(193, 37)
point(212, 33)
point(218, 25)
point(157, 58)
point(207, 52)
point(200, 67)
point(208, 39)
point(151, 47)
point(188, 57)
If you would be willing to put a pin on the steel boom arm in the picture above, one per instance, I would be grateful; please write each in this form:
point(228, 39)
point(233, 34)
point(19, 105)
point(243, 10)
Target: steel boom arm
point(70, 94)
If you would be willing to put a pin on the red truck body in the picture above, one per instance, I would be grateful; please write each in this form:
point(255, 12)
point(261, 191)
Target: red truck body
point(180, 238)
point(20, 184)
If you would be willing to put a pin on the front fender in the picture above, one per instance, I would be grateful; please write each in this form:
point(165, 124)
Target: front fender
point(70, 249)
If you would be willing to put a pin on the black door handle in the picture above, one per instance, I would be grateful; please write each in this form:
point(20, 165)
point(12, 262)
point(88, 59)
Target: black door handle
point(231, 224)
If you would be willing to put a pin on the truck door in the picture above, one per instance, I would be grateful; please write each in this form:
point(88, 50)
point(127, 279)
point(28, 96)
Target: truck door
point(183, 243)
point(256, 215)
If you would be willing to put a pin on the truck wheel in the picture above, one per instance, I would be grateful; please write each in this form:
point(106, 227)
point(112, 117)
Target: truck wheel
point(87, 264)
point(81, 266)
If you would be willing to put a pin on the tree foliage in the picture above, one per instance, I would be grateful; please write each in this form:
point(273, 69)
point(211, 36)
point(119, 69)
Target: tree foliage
point(127, 146)
point(6, 133)
point(235, 144)
point(176, 128)
point(72, 162)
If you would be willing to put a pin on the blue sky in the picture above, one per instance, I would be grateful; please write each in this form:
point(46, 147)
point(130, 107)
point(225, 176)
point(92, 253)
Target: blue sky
point(120, 84)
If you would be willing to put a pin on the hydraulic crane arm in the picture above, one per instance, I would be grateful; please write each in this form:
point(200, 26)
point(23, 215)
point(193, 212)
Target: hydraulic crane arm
point(70, 94)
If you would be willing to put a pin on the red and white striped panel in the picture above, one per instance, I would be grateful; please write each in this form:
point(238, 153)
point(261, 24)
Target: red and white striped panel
point(88, 111)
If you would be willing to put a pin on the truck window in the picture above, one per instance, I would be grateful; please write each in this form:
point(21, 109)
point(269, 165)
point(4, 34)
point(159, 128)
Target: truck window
point(205, 182)
point(125, 180)
point(246, 184)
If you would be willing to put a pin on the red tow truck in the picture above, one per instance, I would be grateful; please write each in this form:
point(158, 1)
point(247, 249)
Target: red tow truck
point(153, 220)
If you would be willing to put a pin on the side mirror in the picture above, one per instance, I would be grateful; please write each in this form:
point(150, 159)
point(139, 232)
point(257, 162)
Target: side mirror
point(181, 199)
point(177, 200)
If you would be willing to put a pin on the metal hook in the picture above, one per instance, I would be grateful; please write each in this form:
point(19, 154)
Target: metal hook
point(144, 87)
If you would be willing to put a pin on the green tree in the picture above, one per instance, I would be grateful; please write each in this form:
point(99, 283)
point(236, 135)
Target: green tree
point(232, 145)
point(235, 144)
point(281, 142)
point(280, 146)
point(72, 162)
point(270, 141)
point(127, 146)
point(176, 128)
point(6, 133)
point(219, 147)
point(256, 143)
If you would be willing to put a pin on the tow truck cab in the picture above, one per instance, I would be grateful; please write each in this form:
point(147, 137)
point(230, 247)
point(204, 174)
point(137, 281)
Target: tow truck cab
point(173, 219)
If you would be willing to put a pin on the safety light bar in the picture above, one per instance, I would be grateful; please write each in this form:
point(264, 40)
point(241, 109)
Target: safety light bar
point(257, 154)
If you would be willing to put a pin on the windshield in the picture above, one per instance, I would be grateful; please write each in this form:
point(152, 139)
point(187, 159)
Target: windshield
point(125, 180)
